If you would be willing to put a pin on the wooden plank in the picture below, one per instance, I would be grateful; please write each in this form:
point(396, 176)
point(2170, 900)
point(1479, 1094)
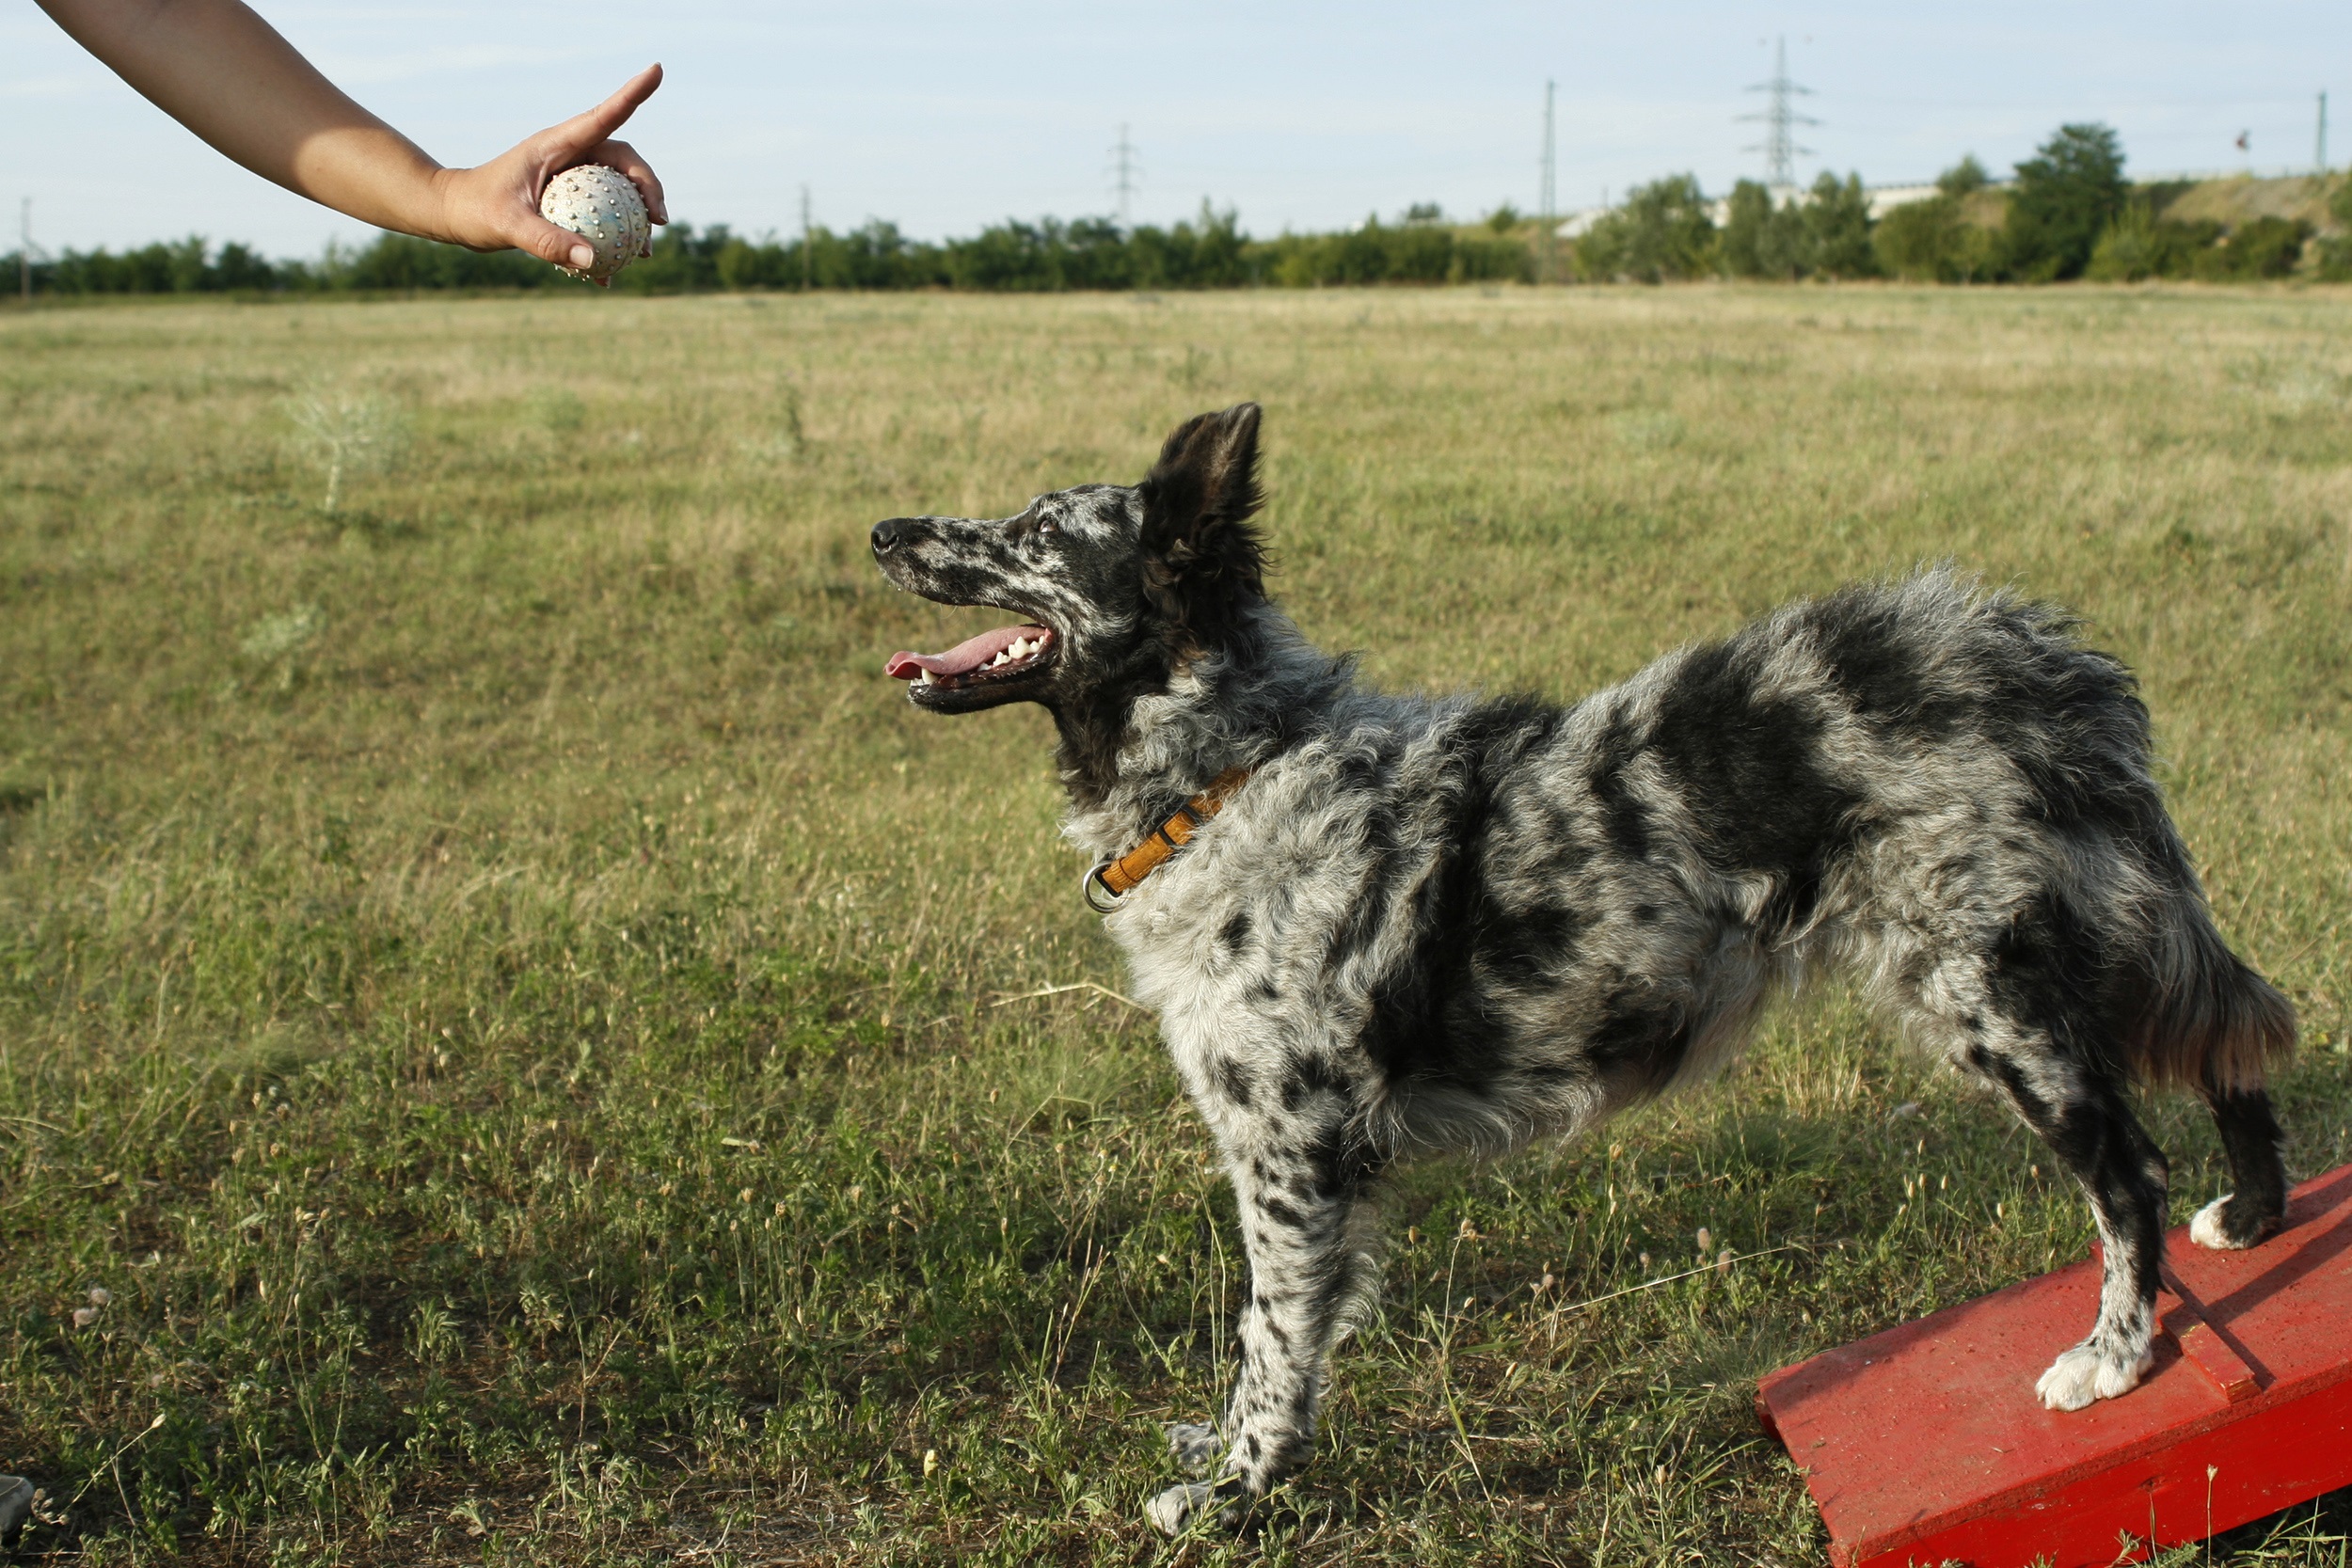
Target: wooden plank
point(1926, 1443)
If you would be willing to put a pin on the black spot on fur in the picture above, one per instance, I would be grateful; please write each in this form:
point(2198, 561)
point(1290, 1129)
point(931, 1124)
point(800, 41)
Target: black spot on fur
point(1641, 1038)
point(1306, 1075)
point(1235, 931)
point(2051, 971)
point(1431, 1016)
point(1883, 674)
point(1527, 947)
point(2071, 720)
point(1281, 1212)
point(1339, 1163)
point(1623, 817)
point(1233, 1080)
point(1751, 773)
point(1998, 1069)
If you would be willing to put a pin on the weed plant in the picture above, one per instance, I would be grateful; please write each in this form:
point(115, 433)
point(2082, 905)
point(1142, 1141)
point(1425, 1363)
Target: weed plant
point(543, 1056)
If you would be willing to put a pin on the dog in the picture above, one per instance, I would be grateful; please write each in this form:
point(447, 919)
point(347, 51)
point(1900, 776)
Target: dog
point(1375, 926)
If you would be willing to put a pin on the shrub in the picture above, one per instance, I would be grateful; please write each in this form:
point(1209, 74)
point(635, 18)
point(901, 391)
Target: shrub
point(1825, 234)
point(2268, 247)
point(1210, 253)
point(1917, 241)
point(2065, 199)
point(1836, 228)
point(1758, 238)
point(2129, 249)
point(1662, 231)
point(1420, 250)
point(1965, 178)
point(2199, 249)
point(1491, 259)
point(2335, 251)
point(1934, 241)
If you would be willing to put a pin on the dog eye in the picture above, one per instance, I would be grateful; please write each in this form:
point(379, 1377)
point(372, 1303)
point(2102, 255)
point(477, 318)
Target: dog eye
point(1046, 528)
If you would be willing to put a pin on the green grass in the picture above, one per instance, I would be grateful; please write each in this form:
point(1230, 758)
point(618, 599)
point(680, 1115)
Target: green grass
point(529, 1026)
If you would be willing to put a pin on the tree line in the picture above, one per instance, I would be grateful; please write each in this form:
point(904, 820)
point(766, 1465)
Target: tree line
point(1047, 256)
point(2068, 212)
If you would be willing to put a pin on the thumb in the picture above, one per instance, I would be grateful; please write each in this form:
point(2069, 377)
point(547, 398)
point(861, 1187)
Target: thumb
point(556, 247)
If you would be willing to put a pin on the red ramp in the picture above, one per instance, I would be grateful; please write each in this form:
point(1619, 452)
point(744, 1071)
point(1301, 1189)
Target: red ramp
point(1925, 1443)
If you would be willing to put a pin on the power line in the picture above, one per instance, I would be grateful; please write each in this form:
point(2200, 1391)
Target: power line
point(1126, 175)
point(1779, 145)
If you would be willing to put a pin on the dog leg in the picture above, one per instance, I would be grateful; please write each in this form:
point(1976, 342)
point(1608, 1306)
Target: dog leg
point(2251, 1211)
point(1194, 1445)
point(1304, 1215)
point(2092, 1130)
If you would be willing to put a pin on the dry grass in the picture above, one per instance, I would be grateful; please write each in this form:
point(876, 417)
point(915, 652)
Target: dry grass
point(423, 924)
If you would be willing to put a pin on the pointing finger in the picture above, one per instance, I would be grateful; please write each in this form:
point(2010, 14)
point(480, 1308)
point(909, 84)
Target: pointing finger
point(584, 131)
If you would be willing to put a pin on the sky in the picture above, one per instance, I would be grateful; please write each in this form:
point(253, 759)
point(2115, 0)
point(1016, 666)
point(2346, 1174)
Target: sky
point(945, 114)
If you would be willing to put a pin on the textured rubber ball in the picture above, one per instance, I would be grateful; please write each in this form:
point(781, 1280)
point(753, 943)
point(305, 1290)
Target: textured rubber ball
point(602, 207)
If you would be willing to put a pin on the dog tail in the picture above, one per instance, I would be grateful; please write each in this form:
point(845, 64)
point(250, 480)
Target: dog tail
point(2209, 1021)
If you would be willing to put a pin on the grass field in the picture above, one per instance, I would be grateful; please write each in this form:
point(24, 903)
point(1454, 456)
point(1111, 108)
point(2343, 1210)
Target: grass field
point(535, 1037)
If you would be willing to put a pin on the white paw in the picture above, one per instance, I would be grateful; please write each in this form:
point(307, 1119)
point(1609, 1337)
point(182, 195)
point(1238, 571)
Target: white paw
point(2205, 1229)
point(1195, 1445)
point(2082, 1374)
point(1175, 1510)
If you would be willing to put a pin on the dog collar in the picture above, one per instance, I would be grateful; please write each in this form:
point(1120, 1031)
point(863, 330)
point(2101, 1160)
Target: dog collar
point(1112, 879)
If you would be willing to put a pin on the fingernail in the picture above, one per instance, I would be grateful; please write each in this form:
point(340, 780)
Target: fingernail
point(582, 256)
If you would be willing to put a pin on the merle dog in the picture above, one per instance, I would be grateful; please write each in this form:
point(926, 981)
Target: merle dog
point(1459, 924)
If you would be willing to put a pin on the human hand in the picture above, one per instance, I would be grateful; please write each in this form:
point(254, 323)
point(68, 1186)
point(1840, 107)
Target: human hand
point(496, 205)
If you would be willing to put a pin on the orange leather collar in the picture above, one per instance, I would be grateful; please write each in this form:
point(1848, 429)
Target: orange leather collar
point(1120, 877)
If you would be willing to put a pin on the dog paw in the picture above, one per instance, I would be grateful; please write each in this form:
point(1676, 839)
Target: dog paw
point(2223, 1228)
point(1178, 1509)
point(2086, 1373)
point(1194, 1445)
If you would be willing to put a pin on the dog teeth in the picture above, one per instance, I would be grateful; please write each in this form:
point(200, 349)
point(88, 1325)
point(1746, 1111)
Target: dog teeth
point(926, 678)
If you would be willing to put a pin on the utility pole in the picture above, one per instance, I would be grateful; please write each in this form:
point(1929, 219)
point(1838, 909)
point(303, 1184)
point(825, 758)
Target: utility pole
point(1779, 145)
point(2319, 155)
point(808, 251)
point(25, 251)
point(1547, 195)
point(1125, 176)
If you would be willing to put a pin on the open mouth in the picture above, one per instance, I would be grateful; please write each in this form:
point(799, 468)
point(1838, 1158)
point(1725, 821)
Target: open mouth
point(992, 659)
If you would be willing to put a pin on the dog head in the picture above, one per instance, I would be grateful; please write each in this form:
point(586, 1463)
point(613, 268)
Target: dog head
point(1117, 585)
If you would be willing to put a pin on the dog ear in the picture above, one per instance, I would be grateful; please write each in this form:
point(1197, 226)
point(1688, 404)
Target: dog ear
point(1203, 563)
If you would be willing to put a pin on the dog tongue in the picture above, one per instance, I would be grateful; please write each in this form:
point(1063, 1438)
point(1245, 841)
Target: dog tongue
point(964, 658)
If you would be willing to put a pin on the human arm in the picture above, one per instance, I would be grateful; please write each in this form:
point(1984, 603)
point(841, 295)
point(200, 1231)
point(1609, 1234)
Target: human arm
point(229, 76)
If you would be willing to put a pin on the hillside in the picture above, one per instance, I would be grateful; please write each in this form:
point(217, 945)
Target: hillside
point(2298, 199)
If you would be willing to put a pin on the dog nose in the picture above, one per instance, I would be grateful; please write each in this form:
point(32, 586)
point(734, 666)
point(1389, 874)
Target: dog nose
point(888, 534)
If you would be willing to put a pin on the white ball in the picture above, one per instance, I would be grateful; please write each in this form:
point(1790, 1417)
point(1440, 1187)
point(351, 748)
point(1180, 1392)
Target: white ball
point(602, 207)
